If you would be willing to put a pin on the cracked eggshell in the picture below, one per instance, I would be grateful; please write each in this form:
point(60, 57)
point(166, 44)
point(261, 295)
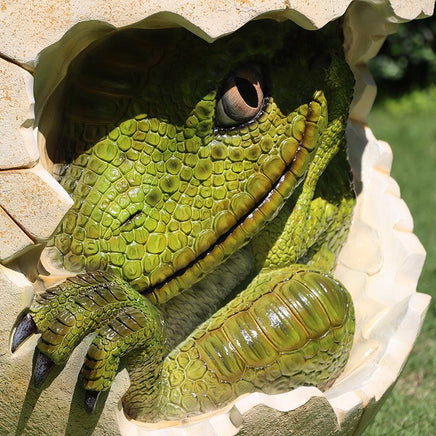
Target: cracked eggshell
point(381, 279)
point(13, 241)
point(30, 26)
point(17, 149)
point(34, 200)
point(44, 23)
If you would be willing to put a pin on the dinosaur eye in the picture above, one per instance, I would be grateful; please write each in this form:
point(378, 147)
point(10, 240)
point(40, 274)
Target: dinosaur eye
point(241, 98)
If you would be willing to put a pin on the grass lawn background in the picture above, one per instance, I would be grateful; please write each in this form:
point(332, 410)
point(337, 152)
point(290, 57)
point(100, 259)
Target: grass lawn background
point(408, 124)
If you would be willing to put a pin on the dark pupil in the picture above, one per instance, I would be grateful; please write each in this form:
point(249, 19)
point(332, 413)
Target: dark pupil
point(247, 91)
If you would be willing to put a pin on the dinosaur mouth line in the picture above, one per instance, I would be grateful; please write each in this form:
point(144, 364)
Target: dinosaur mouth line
point(258, 217)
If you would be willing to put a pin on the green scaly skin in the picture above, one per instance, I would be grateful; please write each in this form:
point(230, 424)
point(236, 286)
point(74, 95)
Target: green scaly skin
point(248, 218)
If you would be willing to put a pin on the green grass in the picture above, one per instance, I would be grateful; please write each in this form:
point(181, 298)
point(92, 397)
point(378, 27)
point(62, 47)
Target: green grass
point(409, 125)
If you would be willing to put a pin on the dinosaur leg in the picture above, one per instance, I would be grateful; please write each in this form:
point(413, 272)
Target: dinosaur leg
point(124, 321)
point(288, 328)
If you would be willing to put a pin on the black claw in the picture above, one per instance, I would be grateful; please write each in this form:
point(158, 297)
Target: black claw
point(24, 329)
point(91, 398)
point(43, 366)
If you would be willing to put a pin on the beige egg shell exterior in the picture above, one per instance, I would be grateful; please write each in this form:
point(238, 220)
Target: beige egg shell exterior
point(32, 204)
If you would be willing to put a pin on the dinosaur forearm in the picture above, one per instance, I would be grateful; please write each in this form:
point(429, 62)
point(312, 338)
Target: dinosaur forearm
point(290, 327)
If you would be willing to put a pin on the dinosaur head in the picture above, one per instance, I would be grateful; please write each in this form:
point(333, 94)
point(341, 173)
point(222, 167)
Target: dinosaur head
point(177, 152)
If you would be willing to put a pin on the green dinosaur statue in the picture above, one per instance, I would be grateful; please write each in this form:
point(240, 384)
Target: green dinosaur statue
point(212, 194)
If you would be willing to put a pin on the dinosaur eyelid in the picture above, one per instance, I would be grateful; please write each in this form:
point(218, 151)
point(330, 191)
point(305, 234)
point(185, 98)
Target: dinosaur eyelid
point(241, 99)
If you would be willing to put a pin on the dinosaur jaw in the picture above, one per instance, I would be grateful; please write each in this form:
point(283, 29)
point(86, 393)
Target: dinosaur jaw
point(382, 276)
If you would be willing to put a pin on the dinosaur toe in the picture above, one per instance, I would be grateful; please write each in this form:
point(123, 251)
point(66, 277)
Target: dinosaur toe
point(25, 328)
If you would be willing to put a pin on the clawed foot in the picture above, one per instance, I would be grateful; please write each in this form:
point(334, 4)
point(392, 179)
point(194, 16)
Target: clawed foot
point(123, 320)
